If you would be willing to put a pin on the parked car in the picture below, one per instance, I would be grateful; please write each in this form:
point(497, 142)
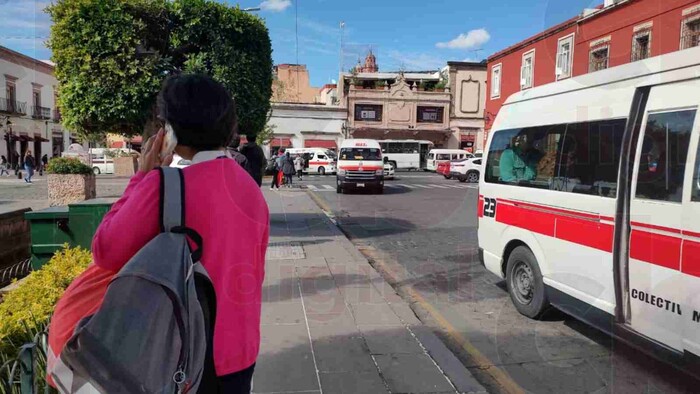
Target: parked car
point(443, 168)
point(179, 162)
point(467, 170)
point(388, 171)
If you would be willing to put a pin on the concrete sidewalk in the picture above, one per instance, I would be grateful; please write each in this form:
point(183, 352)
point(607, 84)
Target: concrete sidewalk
point(330, 323)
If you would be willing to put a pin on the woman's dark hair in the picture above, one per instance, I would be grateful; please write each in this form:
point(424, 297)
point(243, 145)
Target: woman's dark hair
point(200, 110)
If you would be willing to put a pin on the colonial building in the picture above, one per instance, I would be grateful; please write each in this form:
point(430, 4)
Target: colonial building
point(29, 118)
point(467, 84)
point(445, 107)
point(614, 33)
point(306, 126)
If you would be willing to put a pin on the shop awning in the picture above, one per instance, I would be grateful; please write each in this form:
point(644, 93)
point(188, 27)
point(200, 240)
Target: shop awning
point(24, 137)
point(328, 144)
point(281, 142)
point(38, 137)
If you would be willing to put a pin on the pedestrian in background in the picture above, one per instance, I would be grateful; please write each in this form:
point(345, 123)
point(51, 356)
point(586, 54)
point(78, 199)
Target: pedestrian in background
point(256, 158)
point(3, 166)
point(14, 161)
point(288, 169)
point(238, 156)
point(44, 162)
point(277, 171)
point(29, 165)
point(299, 166)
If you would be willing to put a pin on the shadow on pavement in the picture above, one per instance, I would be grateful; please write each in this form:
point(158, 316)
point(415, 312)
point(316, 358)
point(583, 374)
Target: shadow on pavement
point(287, 289)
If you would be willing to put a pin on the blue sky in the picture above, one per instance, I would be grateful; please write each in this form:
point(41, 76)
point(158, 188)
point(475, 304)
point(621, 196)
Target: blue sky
point(404, 34)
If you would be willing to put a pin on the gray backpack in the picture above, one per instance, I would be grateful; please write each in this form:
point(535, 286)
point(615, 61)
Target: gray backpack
point(152, 333)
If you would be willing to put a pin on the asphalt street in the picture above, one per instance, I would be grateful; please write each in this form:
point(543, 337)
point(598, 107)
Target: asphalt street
point(422, 233)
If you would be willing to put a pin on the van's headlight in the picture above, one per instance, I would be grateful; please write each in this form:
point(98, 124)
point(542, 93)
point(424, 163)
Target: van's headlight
point(341, 172)
point(379, 172)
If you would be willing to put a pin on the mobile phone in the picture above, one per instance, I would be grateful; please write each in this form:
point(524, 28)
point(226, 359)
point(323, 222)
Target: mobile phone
point(169, 142)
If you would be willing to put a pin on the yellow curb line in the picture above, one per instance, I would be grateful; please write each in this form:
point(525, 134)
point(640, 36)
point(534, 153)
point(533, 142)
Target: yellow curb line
point(498, 375)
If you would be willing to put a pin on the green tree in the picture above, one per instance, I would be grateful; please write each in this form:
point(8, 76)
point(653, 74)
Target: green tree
point(112, 57)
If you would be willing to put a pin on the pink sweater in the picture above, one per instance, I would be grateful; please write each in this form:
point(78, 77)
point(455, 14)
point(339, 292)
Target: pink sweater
point(225, 206)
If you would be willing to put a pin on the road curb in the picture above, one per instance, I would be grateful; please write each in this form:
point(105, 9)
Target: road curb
point(462, 379)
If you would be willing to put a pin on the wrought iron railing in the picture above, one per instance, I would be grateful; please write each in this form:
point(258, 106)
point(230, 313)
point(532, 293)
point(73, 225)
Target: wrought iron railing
point(640, 53)
point(41, 112)
point(13, 106)
point(598, 64)
point(690, 40)
point(25, 373)
point(15, 271)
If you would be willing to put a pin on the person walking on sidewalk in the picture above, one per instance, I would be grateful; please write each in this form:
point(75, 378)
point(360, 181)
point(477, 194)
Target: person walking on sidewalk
point(44, 162)
point(223, 204)
point(288, 169)
point(277, 171)
point(29, 165)
point(299, 166)
point(3, 166)
point(256, 158)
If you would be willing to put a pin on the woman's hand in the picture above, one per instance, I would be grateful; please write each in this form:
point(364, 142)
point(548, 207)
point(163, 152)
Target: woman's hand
point(150, 155)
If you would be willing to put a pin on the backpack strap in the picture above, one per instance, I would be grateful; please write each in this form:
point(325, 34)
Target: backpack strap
point(172, 198)
point(172, 207)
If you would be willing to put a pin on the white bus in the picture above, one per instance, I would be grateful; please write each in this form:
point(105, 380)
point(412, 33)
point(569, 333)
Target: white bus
point(406, 154)
point(590, 202)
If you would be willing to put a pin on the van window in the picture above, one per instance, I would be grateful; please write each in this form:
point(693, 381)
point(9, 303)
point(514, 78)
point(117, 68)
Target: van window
point(360, 154)
point(320, 157)
point(443, 156)
point(664, 153)
point(576, 158)
point(431, 156)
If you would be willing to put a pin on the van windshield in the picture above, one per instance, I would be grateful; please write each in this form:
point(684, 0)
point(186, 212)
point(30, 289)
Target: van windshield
point(360, 154)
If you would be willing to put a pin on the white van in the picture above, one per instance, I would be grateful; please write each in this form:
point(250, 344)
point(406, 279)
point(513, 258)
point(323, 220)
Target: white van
point(360, 166)
point(102, 159)
point(435, 156)
point(316, 160)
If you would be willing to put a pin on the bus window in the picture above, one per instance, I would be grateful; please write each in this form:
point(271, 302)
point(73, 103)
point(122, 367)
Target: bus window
point(577, 158)
point(664, 153)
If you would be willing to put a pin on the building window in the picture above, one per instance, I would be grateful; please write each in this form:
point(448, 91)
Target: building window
point(496, 81)
point(527, 70)
point(430, 114)
point(565, 52)
point(368, 112)
point(10, 102)
point(690, 32)
point(599, 58)
point(641, 45)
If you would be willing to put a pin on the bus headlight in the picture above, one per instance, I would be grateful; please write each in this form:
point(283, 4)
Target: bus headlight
point(341, 172)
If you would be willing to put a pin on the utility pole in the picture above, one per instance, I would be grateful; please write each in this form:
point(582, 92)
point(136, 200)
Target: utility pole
point(340, 63)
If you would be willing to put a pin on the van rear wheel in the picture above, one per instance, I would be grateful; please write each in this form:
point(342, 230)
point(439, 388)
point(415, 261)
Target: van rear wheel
point(95, 170)
point(322, 170)
point(525, 284)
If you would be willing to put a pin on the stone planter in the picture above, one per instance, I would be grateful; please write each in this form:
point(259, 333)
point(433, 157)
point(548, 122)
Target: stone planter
point(125, 166)
point(65, 189)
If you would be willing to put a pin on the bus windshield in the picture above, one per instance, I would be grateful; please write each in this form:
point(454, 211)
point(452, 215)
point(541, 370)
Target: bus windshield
point(360, 154)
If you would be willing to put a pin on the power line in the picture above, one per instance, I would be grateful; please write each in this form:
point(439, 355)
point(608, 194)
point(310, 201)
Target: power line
point(296, 45)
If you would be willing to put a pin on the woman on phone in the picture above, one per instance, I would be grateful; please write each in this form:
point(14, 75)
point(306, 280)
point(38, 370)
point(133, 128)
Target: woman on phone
point(223, 204)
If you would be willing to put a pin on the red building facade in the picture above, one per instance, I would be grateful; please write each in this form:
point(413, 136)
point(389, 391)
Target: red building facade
point(610, 35)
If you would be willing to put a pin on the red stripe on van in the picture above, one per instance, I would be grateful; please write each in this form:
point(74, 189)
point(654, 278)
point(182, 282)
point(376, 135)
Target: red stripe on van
point(690, 264)
point(585, 232)
point(538, 222)
point(364, 168)
point(657, 249)
point(480, 207)
point(655, 227)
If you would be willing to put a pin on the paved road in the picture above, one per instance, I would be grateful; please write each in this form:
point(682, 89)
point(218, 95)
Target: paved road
point(422, 232)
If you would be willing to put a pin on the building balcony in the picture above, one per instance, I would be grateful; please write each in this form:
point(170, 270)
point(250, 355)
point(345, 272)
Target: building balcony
point(43, 113)
point(56, 116)
point(13, 107)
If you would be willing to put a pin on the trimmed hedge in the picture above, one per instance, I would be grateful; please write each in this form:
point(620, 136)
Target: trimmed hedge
point(29, 306)
point(67, 165)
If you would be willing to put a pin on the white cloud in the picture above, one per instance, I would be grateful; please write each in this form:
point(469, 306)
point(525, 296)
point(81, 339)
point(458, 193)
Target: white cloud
point(412, 61)
point(473, 39)
point(275, 5)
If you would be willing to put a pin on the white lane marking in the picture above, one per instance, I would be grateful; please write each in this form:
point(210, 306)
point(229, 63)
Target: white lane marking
point(422, 186)
point(439, 186)
point(328, 187)
point(311, 187)
point(406, 186)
